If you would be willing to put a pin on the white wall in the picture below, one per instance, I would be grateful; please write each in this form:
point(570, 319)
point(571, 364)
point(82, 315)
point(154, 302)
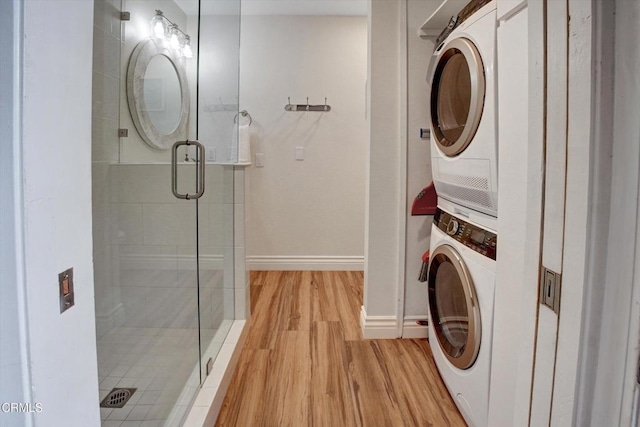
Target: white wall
point(604, 23)
point(305, 214)
point(418, 160)
point(14, 367)
point(615, 298)
point(400, 167)
point(383, 213)
point(57, 209)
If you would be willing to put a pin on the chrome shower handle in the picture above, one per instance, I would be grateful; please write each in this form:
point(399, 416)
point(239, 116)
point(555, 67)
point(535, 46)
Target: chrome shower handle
point(174, 170)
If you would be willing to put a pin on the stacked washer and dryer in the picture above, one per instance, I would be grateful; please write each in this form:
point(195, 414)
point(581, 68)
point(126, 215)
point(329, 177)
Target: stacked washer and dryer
point(464, 155)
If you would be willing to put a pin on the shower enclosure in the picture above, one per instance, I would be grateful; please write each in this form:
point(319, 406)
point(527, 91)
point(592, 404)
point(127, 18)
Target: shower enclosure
point(163, 215)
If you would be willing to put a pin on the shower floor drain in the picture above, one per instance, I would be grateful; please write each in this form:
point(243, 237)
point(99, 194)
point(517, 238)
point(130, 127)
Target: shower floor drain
point(117, 397)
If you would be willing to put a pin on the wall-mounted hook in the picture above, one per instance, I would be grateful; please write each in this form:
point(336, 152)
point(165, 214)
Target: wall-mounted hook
point(307, 106)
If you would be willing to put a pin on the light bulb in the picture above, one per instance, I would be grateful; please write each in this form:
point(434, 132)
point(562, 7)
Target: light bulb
point(158, 26)
point(186, 49)
point(158, 30)
point(174, 40)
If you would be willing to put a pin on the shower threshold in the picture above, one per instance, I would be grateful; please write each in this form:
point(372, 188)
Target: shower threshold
point(207, 403)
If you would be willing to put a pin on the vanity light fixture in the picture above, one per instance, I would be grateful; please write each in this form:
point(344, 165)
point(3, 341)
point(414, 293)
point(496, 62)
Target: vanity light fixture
point(162, 28)
point(186, 49)
point(158, 25)
point(174, 40)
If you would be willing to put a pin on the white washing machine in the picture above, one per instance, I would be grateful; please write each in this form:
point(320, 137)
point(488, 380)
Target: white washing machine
point(463, 99)
point(461, 283)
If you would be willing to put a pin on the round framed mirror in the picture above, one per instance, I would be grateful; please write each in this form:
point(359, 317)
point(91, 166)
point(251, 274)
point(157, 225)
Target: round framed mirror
point(157, 94)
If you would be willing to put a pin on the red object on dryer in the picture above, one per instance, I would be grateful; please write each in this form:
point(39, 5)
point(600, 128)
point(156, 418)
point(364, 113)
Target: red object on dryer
point(426, 202)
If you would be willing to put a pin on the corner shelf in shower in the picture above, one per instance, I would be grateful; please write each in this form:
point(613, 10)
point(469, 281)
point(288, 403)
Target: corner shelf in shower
point(240, 164)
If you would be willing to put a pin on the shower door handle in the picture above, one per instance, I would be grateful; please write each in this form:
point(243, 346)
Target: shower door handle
point(199, 165)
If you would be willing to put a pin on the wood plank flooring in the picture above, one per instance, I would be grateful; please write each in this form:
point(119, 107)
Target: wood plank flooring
point(305, 362)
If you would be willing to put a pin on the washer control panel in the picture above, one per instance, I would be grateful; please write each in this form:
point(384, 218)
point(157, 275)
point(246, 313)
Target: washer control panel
point(477, 238)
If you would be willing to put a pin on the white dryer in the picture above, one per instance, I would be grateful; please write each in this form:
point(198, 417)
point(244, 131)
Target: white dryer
point(463, 100)
point(461, 283)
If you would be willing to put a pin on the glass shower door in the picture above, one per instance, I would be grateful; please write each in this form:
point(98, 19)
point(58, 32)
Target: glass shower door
point(164, 71)
point(156, 213)
point(218, 120)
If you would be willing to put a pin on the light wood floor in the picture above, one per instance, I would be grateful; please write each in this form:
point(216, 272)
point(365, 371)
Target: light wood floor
point(305, 362)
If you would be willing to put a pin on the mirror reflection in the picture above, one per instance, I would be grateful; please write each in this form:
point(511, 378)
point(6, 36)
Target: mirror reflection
point(162, 94)
point(158, 93)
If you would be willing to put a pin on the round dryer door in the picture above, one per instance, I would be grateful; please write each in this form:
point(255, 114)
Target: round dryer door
point(457, 95)
point(455, 314)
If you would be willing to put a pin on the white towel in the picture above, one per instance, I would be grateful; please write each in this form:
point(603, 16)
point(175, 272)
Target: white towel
point(244, 144)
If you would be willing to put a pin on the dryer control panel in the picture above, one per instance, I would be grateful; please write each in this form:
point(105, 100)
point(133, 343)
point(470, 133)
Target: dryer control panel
point(477, 238)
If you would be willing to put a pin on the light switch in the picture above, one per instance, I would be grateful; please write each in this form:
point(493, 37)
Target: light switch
point(299, 153)
point(211, 154)
point(259, 160)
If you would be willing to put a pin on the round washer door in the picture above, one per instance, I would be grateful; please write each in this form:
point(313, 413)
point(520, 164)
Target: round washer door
point(457, 96)
point(453, 306)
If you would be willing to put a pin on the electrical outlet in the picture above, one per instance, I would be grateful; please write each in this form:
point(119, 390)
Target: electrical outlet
point(299, 153)
point(259, 160)
point(211, 154)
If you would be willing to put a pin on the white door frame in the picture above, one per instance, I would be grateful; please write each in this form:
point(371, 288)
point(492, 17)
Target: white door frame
point(15, 369)
point(611, 321)
point(581, 180)
point(555, 203)
point(599, 322)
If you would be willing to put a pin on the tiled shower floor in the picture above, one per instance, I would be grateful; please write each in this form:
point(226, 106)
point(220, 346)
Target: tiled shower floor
point(158, 362)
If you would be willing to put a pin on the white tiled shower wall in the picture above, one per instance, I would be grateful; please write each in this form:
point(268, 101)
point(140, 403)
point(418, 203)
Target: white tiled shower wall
point(105, 120)
point(155, 243)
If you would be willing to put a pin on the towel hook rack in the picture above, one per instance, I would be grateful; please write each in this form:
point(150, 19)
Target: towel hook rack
point(307, 107)
point(243, 113)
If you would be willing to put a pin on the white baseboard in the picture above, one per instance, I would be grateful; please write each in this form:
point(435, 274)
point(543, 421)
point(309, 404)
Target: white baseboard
point(378, 327)
point(169, 262)
point(410, 329)
point(306, 263)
